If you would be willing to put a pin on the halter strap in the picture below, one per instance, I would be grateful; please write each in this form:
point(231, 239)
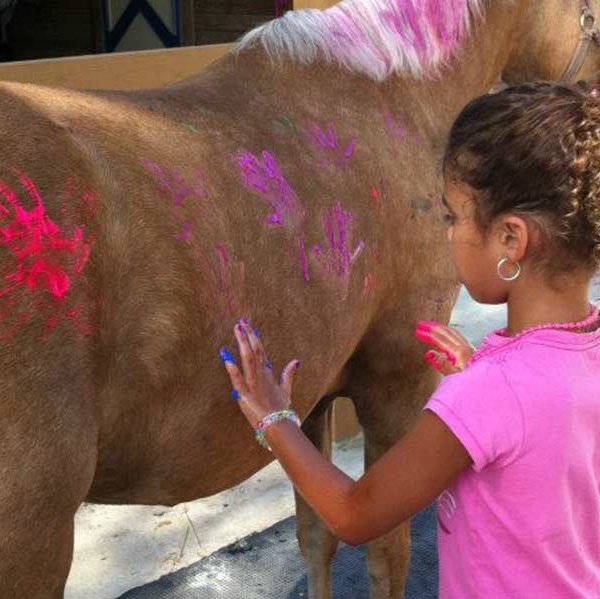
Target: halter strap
point(590, 32)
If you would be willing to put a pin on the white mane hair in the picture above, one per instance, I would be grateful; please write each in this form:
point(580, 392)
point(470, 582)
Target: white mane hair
point(374, 37)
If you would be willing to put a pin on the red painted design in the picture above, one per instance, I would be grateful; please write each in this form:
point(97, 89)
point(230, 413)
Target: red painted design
point(369, 283)
point(43, 258)
point(226, 277)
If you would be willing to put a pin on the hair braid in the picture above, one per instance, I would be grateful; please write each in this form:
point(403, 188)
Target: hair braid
point(583, 211)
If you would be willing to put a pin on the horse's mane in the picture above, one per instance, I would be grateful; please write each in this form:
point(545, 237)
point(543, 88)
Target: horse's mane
point(373, 37)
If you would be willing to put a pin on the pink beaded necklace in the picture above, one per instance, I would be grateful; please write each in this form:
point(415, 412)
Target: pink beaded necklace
point(485, 350)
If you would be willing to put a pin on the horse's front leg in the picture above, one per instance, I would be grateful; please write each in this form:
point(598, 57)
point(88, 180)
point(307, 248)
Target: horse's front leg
point(317, 544)
point(388, 383)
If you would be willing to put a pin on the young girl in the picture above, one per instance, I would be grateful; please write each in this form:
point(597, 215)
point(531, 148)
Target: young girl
point(510, 440)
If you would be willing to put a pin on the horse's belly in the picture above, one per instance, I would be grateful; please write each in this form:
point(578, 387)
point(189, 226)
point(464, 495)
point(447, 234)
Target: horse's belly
point(198, 461)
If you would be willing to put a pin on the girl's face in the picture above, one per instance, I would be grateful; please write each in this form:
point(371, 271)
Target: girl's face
point(475, 258)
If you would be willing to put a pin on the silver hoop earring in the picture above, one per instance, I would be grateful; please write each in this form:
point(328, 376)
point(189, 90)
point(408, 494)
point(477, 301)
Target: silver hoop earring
point(502, 262)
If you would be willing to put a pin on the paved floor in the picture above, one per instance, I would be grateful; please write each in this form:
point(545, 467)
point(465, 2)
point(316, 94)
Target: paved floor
point(268, 565)
point(118, 548)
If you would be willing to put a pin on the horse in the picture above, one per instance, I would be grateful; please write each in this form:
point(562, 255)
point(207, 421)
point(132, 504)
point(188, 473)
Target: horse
point(294, 182)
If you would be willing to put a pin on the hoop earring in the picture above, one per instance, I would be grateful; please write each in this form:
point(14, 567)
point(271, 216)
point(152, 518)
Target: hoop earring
point(512, 277)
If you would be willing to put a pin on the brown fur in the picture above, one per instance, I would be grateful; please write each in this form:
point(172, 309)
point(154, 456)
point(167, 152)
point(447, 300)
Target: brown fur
point(139, 411)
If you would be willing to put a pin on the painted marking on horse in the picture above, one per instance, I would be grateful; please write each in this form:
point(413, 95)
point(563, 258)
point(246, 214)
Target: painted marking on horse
point(397, 132)
point(394, 125)
point(420, 206)
point(185, 232)
point(264, 176)
point(191, 128)
point(284, 124)
point(331, 153)
point(175, 184)
point(369, 283)
point(375, 197)
point(335, 257)
point(303, 258)
point(46, 258)
point(226, 277)
point(379, 195)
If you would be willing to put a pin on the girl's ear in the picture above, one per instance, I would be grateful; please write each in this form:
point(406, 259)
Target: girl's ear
point(513, 235)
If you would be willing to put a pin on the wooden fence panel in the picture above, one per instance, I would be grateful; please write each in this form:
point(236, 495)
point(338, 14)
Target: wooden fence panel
point(123, 70)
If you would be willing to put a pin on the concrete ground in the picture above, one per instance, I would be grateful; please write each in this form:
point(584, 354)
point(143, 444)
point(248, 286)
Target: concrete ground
point(118, 548)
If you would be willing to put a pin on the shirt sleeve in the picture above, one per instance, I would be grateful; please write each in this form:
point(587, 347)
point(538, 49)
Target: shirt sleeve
point(482, 410)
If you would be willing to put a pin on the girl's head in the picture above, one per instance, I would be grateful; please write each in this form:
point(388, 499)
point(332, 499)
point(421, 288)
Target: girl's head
point(522, 181)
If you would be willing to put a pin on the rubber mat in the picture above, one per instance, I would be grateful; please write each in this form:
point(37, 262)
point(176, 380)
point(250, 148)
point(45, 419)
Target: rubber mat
point(268, 565)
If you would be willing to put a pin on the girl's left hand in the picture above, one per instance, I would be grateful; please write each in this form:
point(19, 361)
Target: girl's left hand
point(453, 350)
point(255, 387)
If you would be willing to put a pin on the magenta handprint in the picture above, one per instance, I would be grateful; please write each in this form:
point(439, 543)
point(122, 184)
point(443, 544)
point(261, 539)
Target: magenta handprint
point(180, 189)
point(175, 184)
point(225, 276)
point(335, 256)
point(330, 152)
point(264, 176)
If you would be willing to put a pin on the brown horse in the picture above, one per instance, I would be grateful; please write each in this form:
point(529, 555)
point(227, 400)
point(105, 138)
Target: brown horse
point(131, 226)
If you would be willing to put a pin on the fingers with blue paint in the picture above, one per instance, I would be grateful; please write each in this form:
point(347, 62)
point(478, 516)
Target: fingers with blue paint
point(237, 378)
point(226, 355)
point(254, 385)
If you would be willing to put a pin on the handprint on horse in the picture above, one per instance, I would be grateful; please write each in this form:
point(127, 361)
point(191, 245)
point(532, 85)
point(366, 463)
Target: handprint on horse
point(294, 182)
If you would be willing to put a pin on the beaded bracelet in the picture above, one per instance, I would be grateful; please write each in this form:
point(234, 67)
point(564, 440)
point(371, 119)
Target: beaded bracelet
point(271, 418)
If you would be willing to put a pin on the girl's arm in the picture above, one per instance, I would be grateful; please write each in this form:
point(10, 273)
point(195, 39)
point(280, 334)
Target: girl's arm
point(408, 477)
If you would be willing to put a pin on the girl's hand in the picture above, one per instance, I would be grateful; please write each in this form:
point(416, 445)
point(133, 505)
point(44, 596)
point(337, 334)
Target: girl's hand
point(454, 349)
point(255, 386)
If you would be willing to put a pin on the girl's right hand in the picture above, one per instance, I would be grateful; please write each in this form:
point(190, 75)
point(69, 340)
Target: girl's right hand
point(453, 350)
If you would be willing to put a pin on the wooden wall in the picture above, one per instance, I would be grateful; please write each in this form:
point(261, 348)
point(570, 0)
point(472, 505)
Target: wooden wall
point(53, 28)
point(46, 28)
point(220, 21)
point(314, 3)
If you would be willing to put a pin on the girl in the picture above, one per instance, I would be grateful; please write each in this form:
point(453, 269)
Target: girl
point(510, 440)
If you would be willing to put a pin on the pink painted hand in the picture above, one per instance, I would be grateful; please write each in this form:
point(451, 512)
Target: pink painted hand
point(453, 349)
point(255, 387)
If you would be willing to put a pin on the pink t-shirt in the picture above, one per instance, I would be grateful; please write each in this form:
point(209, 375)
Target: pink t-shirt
point(523, 522)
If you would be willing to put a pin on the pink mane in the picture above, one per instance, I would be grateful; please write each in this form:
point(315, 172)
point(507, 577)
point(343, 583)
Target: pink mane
point(373, 37)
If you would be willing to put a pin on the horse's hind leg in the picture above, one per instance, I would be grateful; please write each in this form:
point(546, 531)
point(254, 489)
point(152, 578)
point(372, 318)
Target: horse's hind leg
point(47, 461)
point(317, 544)
point(389, 555)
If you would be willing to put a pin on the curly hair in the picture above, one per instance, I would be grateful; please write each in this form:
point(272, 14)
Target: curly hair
point(534, 150)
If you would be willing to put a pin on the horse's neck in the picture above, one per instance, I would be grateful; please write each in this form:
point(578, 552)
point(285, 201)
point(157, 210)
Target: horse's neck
point(429, 104)
point(477, 69)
